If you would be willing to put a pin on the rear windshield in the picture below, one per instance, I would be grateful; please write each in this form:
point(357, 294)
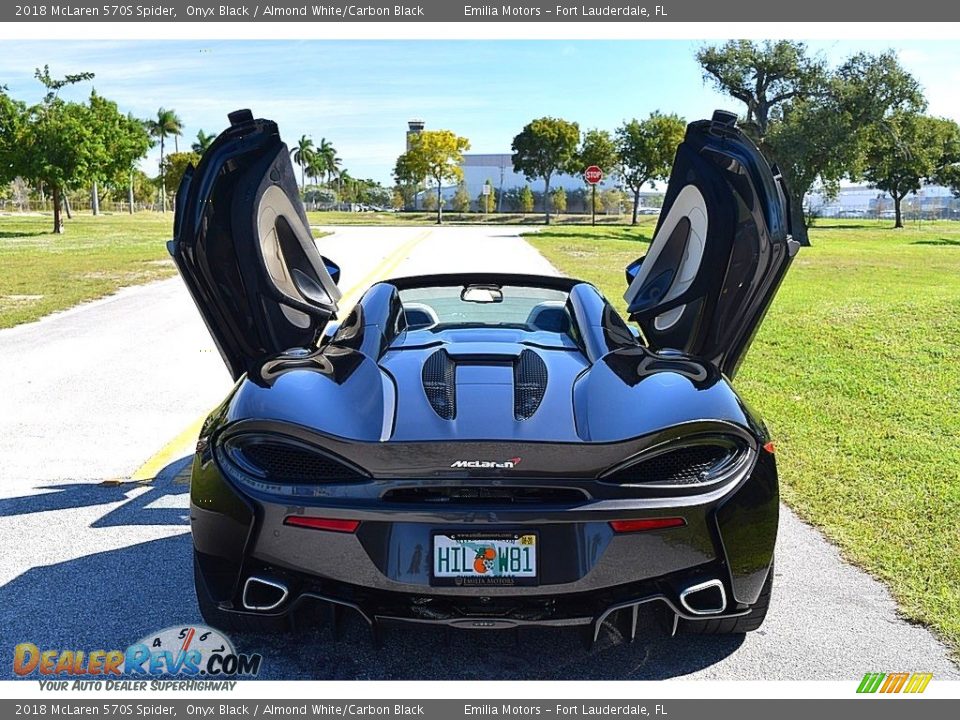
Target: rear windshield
point(532, 308)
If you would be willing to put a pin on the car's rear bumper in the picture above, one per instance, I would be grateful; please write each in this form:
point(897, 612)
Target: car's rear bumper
point(587, 570)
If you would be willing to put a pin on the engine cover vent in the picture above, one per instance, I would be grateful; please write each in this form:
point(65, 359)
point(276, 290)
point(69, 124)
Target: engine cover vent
point(529, 384)
point(440, 385)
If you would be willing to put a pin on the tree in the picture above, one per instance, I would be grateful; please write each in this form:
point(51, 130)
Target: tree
point(948, 174)
point(325, 198)
point(166, 124)
point(327, 160)
point(598, 148)
point(611, 200)
point(176, 164)
point(526, 200)
point(433, 154)
point(461, 199)
point(121, 141)
point(545, 147)
point(398, 202)
point(762, 76)
point(303, 154)
point(811, 121)
point(903, 152)
point(203, 142)
point(646, 149)
point(13, 115)
point(431, 202)
point(57, 142)
point(558, 199)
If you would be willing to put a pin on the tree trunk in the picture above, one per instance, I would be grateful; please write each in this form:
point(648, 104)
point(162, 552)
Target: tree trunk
point(897, 199)
point(163, 181)
point(57, 220)
point(546, 197)
point(66, 206)
point(798, 220)
point(636, 204)
point(439, 204)
point(130, 193)
point(94, 199)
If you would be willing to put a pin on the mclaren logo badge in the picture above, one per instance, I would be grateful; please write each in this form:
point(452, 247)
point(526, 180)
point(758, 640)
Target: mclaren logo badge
point(505, 464)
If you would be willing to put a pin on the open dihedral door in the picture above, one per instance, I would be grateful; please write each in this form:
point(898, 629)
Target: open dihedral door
point(721, 248)
point(243, 246)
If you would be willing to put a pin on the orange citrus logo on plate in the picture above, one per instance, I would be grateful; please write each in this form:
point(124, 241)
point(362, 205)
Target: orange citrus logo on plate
point(484, 559)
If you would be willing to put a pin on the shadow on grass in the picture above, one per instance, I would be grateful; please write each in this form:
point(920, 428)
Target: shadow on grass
point(4, 234)
point(851, 226)
point(941, 241)
point(605, 233)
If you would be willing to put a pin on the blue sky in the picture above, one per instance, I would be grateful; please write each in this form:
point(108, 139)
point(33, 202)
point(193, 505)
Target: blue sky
point(360, 94)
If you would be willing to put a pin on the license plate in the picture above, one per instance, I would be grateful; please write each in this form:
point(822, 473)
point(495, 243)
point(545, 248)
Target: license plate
point(469, 558)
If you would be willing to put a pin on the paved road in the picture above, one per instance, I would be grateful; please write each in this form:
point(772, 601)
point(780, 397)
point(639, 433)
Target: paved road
point(90, 394)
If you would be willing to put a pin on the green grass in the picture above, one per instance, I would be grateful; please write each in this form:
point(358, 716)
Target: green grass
point(857, 371)
point(43, 272)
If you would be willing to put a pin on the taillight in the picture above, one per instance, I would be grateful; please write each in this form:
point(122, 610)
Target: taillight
point(697, 461)
point(281, 465)
point(317, 523)
point(643, 524)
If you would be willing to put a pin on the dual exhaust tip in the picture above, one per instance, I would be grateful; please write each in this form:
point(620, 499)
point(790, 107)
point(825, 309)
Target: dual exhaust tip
point(705, 598)
point(262, 594)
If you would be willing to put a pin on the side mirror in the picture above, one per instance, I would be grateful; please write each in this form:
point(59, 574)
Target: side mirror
point(634, 268)
point(332, 268)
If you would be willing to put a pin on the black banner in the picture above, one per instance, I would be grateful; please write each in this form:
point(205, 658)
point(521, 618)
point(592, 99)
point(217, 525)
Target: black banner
point(479, 11)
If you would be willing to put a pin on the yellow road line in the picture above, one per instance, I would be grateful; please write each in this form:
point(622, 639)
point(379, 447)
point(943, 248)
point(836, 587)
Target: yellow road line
point(380, 271)
point(174, 449)
point(184, 440)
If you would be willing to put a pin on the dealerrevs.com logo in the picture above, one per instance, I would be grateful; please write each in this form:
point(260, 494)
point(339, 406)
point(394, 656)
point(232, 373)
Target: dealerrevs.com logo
point(507, 464)
point(194, 652)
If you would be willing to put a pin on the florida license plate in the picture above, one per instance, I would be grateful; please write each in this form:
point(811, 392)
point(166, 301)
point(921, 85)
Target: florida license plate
point(468, 558)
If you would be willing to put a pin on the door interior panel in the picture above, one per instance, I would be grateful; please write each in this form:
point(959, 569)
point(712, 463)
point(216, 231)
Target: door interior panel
point(243, 245)
point(721, 247)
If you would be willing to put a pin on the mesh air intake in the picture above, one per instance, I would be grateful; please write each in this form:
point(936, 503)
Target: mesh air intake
point(529, 384)
point(439, 383)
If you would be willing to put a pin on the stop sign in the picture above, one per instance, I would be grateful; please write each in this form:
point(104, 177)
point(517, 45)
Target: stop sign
point(593, 174)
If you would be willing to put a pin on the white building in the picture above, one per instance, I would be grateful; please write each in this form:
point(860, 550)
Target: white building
point(869, 202)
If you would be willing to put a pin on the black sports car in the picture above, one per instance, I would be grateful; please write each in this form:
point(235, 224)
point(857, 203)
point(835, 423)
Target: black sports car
point(484, 450)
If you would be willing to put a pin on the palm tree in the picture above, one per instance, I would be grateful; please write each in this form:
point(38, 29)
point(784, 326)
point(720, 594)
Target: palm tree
point(303, 155)
point(328, 156)
point(203, 142)
point(344, 180)
point(315, 168)
point(166, 124)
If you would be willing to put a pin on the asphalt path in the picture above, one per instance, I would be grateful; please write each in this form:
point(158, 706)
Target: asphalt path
point(113, 390)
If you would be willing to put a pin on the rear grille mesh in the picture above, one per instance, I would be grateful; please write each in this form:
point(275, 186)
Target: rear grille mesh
point(439, 383)
point(288, 463)
point(683, 466)
point(529, 384)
